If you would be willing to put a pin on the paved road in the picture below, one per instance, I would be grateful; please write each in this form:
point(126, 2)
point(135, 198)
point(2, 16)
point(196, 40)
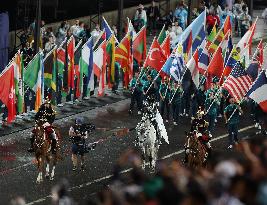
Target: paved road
point(18, 171)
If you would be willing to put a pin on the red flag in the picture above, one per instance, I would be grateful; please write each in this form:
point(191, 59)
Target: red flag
point(71, 47)
point(139, 46)
point(227, 25)
point(260, 53)
point(166, 46)
point(216, 64)
point(156, 57)
point(7, 92)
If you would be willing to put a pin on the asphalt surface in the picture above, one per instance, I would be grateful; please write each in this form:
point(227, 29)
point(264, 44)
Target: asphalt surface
point(18, 171)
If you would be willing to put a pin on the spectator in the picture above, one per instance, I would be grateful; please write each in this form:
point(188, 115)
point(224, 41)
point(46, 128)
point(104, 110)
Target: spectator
point(140, 18)
point(201, 7)
point(115, 31)
point(50, 44)
point(195, 13)
point(180, 14)
point(153, 16)
point(42, 32)
point(171, 33)
point(81, 33)
point(96, 33)
point(245, 20)
point(62, 32)
point(212, 19)
point(169, 19)
point(27, 53)
point(216, 9)
point(177, 29)
point(74, 29)
point(60, 194)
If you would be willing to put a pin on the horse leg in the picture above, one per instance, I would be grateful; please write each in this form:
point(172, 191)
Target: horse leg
point(143, 158)
point(47, 171)
point(40, 173)
point(53, 168)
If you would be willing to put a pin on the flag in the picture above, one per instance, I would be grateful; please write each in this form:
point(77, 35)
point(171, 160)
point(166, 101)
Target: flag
point(203, 59)
point(216, 64)
point(100, 40)
point(162, 35)
point(227, 25)
point(7, 91)
point(260, 54)
point(211, 36)
point(215, 44)
point(194, 27)
point(199, 39)
point(156, 58)
point(107, 28)
point(187, 46)
point(174, 66)
point(33, 77)
point(61, 59)
point(111, 59)
point(48, 68)
point(139, 46)
point(166, 46)
point(238, 83)
point(123, 55)
point(229, 65)
point(70, 69)
point(192, 66)
point(253, 70)
point(247, 38)
point(86, 64)
point(258, 91)
point(130, 28)
point(99, 59)
point(19, 87)
point(54, 78)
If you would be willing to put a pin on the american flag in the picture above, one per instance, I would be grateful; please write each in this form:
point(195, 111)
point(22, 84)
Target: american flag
point(238, 83)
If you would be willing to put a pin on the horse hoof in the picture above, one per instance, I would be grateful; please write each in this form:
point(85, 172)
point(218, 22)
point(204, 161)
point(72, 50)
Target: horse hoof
point(47, 176)
point(51, 178)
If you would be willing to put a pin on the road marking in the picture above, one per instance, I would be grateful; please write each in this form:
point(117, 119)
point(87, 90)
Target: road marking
point(127, 170)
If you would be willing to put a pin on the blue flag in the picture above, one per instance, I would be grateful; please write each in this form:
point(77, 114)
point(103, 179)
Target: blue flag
point(4, 42)
point(199, 38)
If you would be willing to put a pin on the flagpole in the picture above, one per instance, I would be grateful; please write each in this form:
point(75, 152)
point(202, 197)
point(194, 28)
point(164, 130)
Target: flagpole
point(99, 37)
point(80, 42)
point(110, 30)
point(163, 28)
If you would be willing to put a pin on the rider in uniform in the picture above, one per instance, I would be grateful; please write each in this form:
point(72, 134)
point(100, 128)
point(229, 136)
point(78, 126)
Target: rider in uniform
point(45, 117)
point(77, 136)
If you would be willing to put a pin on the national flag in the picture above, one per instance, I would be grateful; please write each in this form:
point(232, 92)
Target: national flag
point(7, 91)
point(107, 28)
point(203, 59)
point(19, 87)
point(123, 55)
point(139, 46)
point(166, 46)
point(260, 53)
point(48, 68)
point(192, 66)
point(227, 25)
point(86, 64)
point(162, 35)
point(211, 37)
point(238, 83)
point(156, 58)
point(111, 60)
point(215, 44)
point(33, 77)
point(258, 91)
point(194, 27)
point(99, 59)
point(187, 46)
point(253, 70)
point(54, 78)
point(229, 65)
point(61, 59)
point(70, 71)
point(199, 39)
point(77, 69)
point(216, 64)
point(175, 65)
point(247, 38)
point(100, 40)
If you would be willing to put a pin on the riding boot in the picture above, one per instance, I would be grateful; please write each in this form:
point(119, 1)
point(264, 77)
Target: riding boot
point(32, 141)
point(54, 146)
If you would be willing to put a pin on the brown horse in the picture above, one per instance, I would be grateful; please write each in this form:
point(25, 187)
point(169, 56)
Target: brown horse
point(196, 152)
point(44, 155)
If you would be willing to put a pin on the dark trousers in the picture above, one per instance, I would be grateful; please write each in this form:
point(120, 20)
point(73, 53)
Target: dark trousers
point(194, 108)
point(232, 131)
point(163, 104)
point(211, 120)
point(176, 110)
point(152, 24)
point(186, 102)
point(136, 97)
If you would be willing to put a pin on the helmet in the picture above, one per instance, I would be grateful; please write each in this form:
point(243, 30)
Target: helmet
point(79, 121)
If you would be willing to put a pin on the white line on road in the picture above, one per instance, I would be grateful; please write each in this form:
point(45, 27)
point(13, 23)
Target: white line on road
point(127, 170)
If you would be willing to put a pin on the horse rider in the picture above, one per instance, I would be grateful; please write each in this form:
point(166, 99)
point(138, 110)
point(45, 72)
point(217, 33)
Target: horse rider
point(45, 118)
point(78, 135)
point(200, 126)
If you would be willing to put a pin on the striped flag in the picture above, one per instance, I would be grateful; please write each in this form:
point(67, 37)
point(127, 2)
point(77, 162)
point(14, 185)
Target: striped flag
point(18, 74)
point(238, 83)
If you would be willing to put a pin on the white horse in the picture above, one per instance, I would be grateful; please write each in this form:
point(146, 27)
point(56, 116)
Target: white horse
point(149, 136)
